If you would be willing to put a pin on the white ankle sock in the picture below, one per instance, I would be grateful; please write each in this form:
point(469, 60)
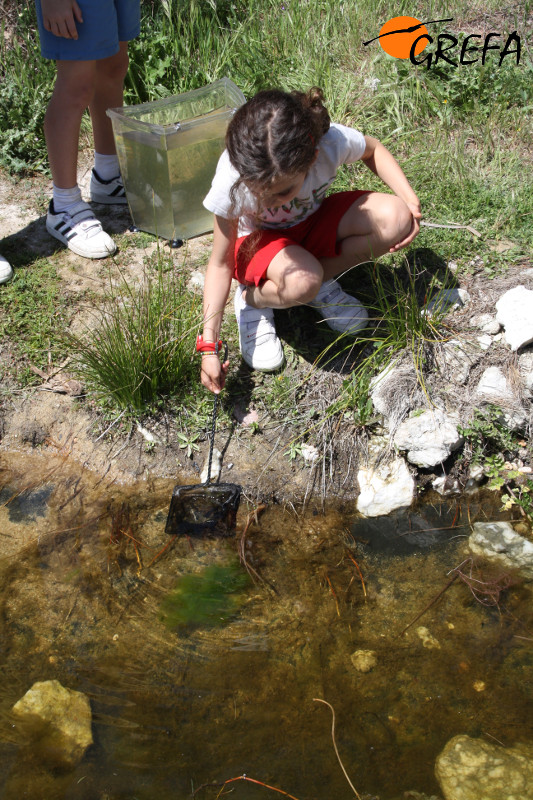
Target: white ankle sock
point(106, 166)
point(63, 198)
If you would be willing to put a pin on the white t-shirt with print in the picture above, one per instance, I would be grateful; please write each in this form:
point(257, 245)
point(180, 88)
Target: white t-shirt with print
point(340, 145)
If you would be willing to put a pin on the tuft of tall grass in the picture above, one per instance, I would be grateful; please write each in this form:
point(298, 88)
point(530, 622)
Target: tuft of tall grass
point(399, 325)
point(139, 351)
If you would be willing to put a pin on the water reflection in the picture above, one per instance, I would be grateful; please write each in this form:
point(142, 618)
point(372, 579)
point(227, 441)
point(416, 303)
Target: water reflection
point(181, 706)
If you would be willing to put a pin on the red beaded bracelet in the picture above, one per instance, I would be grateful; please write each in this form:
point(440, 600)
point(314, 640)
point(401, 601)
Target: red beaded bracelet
point(207, 347)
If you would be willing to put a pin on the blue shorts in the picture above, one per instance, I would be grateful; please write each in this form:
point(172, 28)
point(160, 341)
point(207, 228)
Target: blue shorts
point(105, 24)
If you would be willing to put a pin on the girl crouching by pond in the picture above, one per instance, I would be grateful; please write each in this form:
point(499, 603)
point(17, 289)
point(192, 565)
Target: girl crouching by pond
point(277, 233)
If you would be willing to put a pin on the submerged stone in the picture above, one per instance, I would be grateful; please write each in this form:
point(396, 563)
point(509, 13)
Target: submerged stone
point(473, 769)
point(498, 541)
point(364, 660)
point(58, 722)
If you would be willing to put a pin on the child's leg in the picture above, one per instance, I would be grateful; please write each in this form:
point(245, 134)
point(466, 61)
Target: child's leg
point(73, 91)
point(69, 219)
point(109, 89)
point(293, 278)
point(373, 224)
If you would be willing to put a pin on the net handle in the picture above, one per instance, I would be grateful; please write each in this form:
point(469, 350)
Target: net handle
point(214, 422)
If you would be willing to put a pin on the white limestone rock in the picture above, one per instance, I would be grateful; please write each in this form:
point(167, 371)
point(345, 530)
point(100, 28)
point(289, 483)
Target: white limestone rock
point(474, 769)
point(499, 542)
point(484, 341)
point(57, 721)
point(428, 438)
point(216, 467)
point(385, 488)
point(515, 313)
point(494, 388)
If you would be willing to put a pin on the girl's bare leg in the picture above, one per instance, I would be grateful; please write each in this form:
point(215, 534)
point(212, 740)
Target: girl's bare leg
point(373, 224)
point(293, 278)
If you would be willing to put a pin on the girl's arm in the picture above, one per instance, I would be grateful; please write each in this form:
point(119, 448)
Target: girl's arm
point(383, 164)
point(216, 289)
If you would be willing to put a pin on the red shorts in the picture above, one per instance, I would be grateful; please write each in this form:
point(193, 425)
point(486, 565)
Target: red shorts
point(317, 234)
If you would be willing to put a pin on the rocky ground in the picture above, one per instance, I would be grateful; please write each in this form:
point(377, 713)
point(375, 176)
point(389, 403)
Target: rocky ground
point(257, 444)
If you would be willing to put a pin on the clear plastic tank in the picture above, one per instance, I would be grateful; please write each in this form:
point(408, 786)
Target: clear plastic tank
point(168, 152)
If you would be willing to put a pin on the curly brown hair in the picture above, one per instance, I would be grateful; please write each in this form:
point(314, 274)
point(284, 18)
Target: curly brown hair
point(274, 135)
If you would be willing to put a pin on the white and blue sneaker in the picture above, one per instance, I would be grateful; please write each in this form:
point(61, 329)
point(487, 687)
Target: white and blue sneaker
point(109, 192)
point(6, 271)
point(79, 229)
point(341, 311)
point(258, 340)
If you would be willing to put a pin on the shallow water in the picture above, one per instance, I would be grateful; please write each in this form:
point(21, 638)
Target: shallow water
point(188, 698)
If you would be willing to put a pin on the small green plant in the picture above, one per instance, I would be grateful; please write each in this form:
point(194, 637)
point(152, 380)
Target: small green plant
point(188, 441)
point(520, 495)
point(488, 438)
point(140, 350)
point(294, 451)
point(400, 324)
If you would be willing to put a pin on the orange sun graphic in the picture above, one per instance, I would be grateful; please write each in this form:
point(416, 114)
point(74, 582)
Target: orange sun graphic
point(399, 44)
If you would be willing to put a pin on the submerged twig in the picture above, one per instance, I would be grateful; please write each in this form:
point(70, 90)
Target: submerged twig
point(352, 787)
point(253, 516)
point(429, 605)
point(334, 595)
point(359, 572)
point(157, 555)
point(243, 778)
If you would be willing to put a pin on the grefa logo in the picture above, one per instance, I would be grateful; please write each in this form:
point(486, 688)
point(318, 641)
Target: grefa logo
point(407, 37)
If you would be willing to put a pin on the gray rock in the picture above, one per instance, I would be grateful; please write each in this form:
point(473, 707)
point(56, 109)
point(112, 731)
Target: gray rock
point(473, 769)
point(486, 323)
point(494, 388)
point(446, 486)
point(499, 542)
point(515, 313)
point(428, 438)
point(385, 488)
point(455, 359)
point(525, 369)
point(57, 721)
point(447, 300)
point(392, 392)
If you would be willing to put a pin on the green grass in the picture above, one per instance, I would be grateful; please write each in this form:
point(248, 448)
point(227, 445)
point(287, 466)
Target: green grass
point(139, 349)
point(32, 318)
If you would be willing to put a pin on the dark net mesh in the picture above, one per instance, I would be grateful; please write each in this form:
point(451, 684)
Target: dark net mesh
point(204, 510)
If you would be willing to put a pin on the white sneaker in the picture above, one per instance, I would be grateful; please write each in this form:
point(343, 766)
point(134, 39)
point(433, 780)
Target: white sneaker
point(6, 273)
point(79, 229)
point(342, 312)
point(258, 340)
point(109, 192)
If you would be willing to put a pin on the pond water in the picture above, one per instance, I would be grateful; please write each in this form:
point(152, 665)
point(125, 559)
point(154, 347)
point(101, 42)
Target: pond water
point(199, 670)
